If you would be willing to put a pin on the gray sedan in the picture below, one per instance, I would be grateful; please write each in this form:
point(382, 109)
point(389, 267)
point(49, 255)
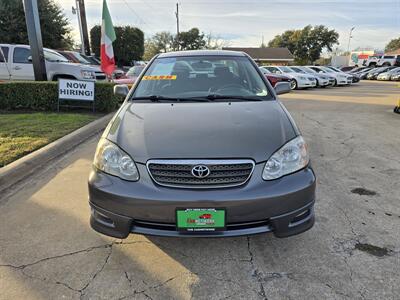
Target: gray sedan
point(202, 147)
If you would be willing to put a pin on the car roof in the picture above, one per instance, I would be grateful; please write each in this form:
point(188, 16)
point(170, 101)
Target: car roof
point(202, 53)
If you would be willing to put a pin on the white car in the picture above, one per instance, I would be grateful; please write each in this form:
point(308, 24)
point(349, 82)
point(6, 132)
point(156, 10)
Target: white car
point(388, 75)
point(322, 80)
point(340, 77)
point(389, 60)
point(372, 60)
point(297, 80)
point(16, 64)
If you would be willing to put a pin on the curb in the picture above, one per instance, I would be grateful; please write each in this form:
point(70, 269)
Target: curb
point(20, 169)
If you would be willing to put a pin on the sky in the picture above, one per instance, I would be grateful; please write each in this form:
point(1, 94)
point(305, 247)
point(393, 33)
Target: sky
point(244, 23)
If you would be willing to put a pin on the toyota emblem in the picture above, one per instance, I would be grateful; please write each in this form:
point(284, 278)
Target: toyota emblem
point(200, 171)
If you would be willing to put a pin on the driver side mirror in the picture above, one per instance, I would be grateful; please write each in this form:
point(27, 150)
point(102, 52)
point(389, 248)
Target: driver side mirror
point(121, 90)
point(282, 88)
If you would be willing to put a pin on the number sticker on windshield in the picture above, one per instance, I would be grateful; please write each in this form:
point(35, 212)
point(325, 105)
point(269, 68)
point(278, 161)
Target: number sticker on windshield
point(160, 77)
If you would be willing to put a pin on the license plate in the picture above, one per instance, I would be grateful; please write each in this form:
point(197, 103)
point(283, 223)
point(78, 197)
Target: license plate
point(200, 219)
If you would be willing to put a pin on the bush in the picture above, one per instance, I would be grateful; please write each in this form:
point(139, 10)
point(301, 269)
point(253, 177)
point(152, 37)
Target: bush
point(43, 96)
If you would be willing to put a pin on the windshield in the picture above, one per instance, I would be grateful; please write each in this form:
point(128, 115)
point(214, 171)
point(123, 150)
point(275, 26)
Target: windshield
point(286, 70)
point(80, 58)
point(297, 70)
point(54, 57)
point(202, 76)
point(308, 70)
point(135, 71)
point(326, 69)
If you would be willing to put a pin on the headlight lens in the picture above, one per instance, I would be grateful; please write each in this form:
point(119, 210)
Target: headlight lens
point(88, 75)
point(110, 159)
point(293, 156)
point(302, 78)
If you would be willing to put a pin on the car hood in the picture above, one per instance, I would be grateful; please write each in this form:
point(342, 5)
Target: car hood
point(201, 130)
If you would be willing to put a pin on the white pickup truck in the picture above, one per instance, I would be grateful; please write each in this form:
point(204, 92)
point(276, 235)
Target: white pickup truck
point(16, 64)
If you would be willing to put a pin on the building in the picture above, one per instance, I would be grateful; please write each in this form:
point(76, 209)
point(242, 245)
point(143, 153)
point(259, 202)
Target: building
point(267, 56)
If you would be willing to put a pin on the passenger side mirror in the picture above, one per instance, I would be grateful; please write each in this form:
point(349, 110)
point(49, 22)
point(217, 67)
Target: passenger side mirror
point(121, 90)
point(282, 88)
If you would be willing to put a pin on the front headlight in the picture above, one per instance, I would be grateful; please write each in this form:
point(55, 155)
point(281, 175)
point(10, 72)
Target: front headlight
point(112, 160)
point(293, 156)
point(88, 74)
point(303, 78)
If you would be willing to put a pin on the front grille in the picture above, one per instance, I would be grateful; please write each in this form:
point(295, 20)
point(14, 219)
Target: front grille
point(222, 173)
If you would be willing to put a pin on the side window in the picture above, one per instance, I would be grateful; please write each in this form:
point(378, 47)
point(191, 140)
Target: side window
point(4, 54)
point(272, 69)
point(21, 55)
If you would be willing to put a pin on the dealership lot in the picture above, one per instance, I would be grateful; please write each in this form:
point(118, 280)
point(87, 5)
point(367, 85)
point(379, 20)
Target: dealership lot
point(48, 251)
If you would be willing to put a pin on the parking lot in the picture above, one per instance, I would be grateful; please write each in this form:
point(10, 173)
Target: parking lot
point(48, 250)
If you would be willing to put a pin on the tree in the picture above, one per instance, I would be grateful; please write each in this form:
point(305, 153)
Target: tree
point(191, 40)
point(393, 45)
point(306, 44)
point(56, 32)
point(128, 46)
point(214, 42)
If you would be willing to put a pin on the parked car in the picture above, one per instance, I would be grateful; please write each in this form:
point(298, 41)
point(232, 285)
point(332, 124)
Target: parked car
point(321, 80)
point(297, 80)
point(395, 77)
point(354, 77)
point(274, 78)
point(388, 74)
point(372, 60)
point(373, 74)
point(187, 143)
point(340, 78)
point(130, 77)
point(347, 69)
point(357, 70)
point(389, 60)
point(18, 65)
point(308, 70)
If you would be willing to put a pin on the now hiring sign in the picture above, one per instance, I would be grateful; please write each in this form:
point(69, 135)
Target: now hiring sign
point(75, 90)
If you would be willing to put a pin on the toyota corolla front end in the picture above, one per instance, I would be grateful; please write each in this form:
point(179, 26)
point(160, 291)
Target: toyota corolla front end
point(202, 147)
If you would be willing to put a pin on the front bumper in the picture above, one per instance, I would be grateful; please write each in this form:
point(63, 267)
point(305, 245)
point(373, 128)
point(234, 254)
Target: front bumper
point(283, 206)
point(306, 83)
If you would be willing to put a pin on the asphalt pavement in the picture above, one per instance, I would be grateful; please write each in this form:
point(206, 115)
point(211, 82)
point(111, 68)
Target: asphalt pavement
point(48, 250)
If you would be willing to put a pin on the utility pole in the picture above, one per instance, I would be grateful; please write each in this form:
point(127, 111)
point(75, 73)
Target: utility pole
point(177, 26)
point(81, 13)
point(35, 39)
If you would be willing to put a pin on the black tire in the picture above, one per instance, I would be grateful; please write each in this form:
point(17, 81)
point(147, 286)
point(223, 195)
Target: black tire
point(335, 83)
point(372, 65)
point(293, 84)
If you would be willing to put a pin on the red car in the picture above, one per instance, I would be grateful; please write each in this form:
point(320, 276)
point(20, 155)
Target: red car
point(131, 76)
point(274, 78)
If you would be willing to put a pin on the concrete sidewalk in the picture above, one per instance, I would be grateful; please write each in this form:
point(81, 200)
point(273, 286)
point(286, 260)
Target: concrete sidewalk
point(48, 251)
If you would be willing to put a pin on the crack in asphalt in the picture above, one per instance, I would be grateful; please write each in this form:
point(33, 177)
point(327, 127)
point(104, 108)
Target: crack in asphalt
point(144, 291)
point(81, 291)
point(256, 273)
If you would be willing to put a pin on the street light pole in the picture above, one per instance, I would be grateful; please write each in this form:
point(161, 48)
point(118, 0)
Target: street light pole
point(83, 26)
point(35, 39)
point(177, 26)
point(350, 36)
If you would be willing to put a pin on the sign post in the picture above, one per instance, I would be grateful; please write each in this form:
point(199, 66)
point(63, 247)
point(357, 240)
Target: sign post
point(76, 90)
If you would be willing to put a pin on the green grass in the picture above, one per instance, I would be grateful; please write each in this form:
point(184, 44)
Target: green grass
point(23, 133)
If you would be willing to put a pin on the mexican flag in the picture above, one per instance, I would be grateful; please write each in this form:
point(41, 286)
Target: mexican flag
point(107, 38)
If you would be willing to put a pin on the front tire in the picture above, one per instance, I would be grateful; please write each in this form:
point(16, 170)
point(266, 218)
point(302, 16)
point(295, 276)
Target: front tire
point(293, 84)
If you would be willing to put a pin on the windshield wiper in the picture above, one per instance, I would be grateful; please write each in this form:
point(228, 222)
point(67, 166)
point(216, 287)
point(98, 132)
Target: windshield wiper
point(155, 98)
point(158, 98)
point(234, 97)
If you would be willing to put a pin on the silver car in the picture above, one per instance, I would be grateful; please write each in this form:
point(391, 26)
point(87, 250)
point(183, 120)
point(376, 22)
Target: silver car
point(202, 147)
